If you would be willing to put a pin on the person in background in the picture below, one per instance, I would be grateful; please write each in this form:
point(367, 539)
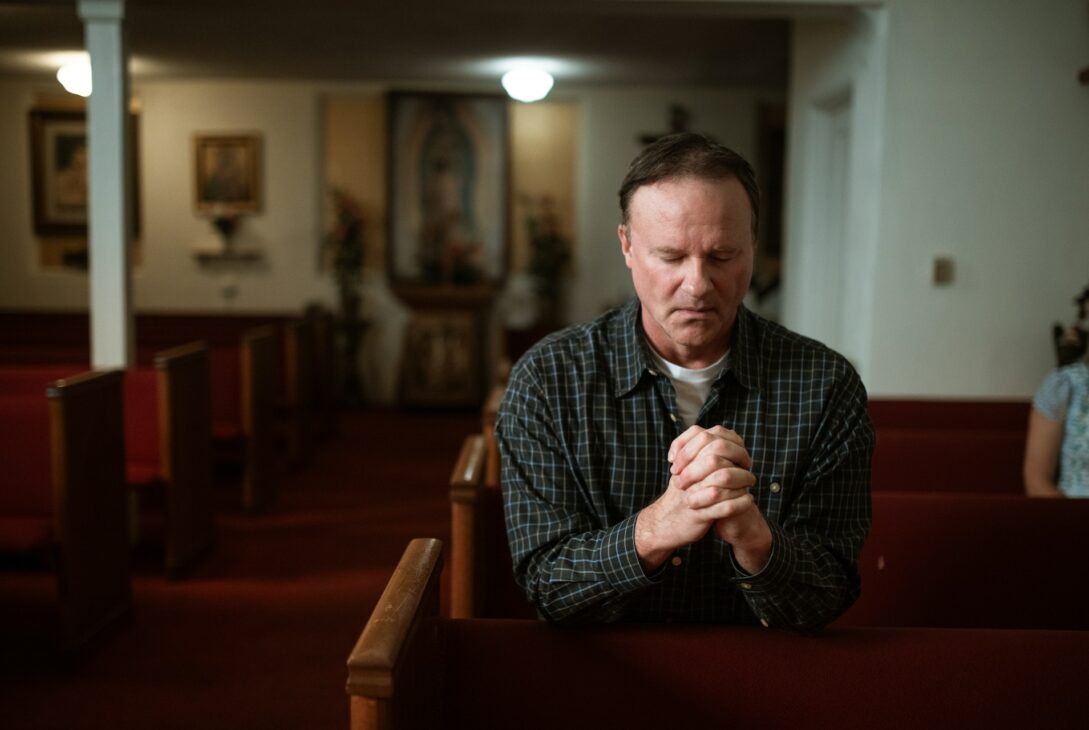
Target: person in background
point(680, 458)
point(1057, 448)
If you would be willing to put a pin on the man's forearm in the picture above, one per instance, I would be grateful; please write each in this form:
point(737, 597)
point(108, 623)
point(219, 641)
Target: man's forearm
point(802, 587)
point(584, 576)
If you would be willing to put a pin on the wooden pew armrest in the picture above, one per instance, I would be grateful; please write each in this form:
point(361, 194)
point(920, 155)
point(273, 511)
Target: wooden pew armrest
point(410, 596)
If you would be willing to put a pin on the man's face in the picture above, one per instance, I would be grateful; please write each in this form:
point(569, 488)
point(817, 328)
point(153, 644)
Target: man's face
point(689, 246)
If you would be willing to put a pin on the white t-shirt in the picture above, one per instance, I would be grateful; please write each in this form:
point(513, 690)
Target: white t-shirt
point(692, 386)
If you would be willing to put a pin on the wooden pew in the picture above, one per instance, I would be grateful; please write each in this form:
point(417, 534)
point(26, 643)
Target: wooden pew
point(410, 668)
point(169, 443)
point(949, 445)
point(65, 507)
point(298, 407)
point(974, 560)
point(938, 559)
point(481, 573)
point(324, 376)
point(243, 383)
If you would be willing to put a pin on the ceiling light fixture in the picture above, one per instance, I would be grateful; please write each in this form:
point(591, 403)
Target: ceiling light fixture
point(527, 84)
point(75, 77)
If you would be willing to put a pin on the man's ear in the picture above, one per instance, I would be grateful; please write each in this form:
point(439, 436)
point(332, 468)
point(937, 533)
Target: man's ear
point(623, 234)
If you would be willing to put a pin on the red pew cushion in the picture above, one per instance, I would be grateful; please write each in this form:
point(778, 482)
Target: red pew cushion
point(143, 459)
point(26, 486)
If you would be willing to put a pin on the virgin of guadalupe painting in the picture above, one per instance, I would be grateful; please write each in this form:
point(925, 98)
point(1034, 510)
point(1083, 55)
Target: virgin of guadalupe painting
point(448, 188)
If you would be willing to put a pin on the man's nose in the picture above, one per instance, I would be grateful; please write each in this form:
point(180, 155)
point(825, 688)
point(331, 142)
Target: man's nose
point(697, 279)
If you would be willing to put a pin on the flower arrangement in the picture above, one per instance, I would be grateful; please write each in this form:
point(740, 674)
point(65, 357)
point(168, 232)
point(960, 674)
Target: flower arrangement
point(549, 253)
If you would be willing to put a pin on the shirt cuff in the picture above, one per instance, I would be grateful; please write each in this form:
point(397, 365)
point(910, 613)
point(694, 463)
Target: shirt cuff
point(776, 572)
point(622, 567)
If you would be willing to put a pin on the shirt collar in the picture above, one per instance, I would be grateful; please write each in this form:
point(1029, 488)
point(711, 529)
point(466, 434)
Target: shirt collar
point(633, 361)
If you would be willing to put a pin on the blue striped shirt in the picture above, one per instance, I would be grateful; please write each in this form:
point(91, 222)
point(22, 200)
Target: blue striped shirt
point(583, 432)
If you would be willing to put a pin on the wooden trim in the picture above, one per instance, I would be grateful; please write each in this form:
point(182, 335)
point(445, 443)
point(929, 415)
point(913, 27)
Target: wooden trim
point(185, 433)
point(369, 713)
point(489, 414)
point(465, 485)
point(258, 378)
point(90, 503)
point(374, 659)
point(468, 472)
point(298, 406)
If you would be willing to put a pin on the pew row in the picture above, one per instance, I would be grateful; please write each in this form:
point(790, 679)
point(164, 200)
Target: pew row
point(64, 532)
point(974, 560)
point(481, 572)
point(966, 446)
point(243, 385)
point(949, 446)
point(169, 459)
point(298, 405)
point(410, 668)
point(931, 559)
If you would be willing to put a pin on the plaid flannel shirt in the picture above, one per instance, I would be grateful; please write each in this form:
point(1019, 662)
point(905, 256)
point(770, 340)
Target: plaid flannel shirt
point(583, 432)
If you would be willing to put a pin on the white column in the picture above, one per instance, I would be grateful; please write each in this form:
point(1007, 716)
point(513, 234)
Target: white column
point(108, 212)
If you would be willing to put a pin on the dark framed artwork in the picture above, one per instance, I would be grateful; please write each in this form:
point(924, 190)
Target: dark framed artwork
point(448, 174)
point(59, 152)
point(227, 173)
point(442, 359)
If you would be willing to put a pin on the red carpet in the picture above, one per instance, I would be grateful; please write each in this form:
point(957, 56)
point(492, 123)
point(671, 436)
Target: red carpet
point(258, 636)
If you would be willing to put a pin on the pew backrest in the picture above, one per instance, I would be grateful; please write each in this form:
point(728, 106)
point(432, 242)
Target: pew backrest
point(969, 446)
point(974, 560)
point(259, 375)
point(412, 669)
point(466, 486)
point(25, 451)
point(184, 399)
point(386, 657)
point(76, 428)
point(481, 571)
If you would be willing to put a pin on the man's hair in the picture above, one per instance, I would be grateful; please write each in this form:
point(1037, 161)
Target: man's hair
point(687, 154)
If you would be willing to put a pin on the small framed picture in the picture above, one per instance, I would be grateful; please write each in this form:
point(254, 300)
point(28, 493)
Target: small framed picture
point(227, 173)
point(59, 156)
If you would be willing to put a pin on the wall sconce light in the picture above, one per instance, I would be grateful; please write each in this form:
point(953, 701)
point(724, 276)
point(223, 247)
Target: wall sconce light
point(75, 77)
point(527, 84)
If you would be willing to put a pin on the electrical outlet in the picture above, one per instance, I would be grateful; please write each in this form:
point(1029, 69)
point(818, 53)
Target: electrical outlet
point(944, 271)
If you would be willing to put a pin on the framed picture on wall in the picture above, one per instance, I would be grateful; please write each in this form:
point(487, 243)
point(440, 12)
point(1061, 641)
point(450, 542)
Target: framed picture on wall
point(448, 171)
point(227, 173)
point(442, 359)
point(59, 156)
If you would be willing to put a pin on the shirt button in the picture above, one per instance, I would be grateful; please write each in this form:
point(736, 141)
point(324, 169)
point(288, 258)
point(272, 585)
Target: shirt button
point(775, 487)
point(746, 586)
point(764, 622)
point(673, 416)
point(676, 560)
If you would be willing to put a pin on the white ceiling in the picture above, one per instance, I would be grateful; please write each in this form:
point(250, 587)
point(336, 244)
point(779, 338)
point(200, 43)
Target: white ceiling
point(422, 41)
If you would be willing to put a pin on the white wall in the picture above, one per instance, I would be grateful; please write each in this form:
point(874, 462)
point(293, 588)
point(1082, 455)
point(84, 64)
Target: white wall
point(833, 201)
point(290, 227)
point(985, 158)
point(977, 149)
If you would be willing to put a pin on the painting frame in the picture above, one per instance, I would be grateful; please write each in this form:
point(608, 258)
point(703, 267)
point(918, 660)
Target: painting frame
point(227, 173)
point(448, 188)
point(442, 358)
point(58, 165)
